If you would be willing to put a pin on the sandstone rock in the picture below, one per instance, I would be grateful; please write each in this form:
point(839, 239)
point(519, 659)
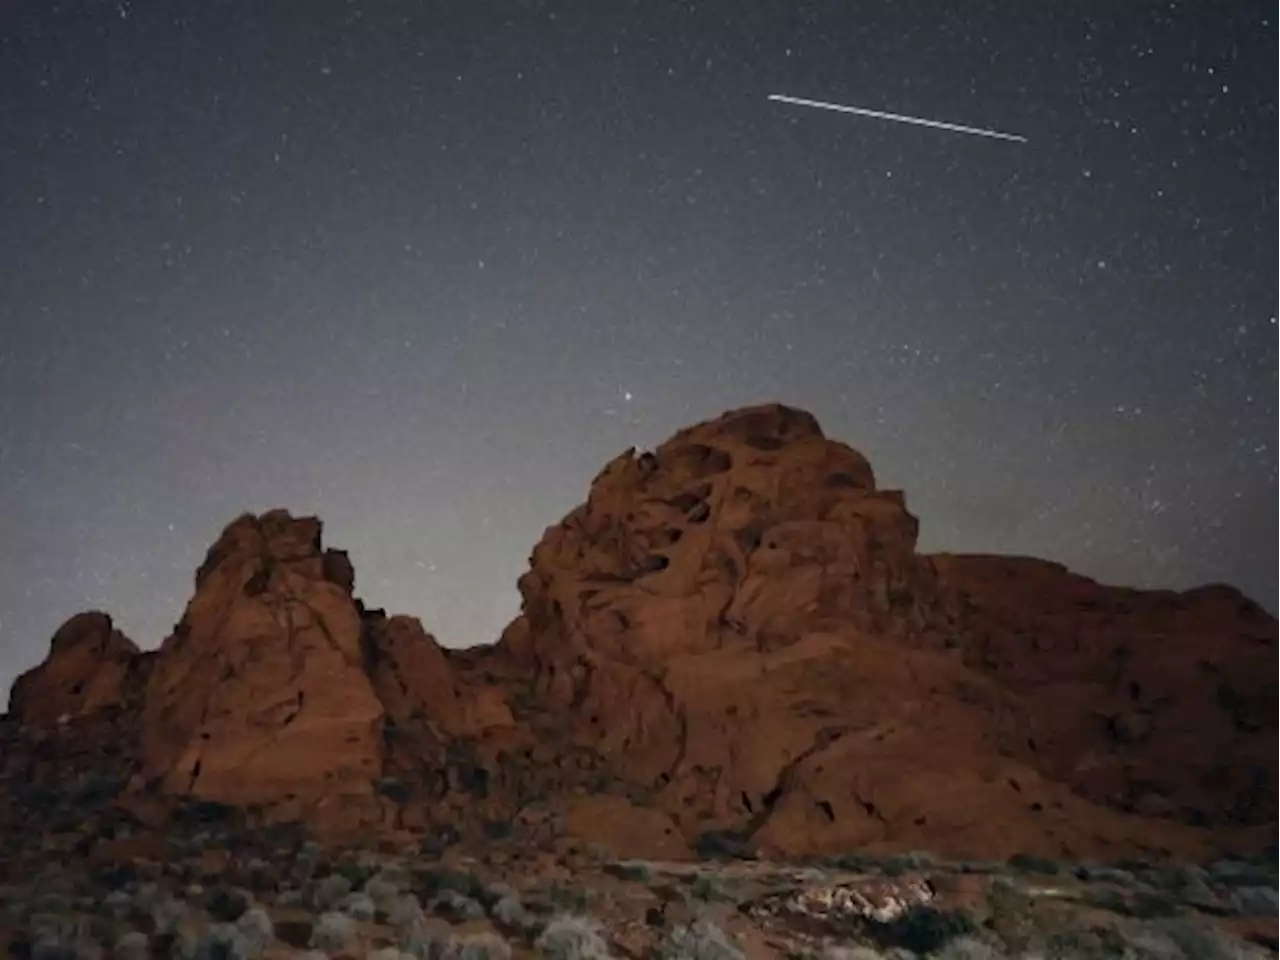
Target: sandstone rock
point(739, 623)
point(733, 637)
point(413, 677)
point(261, 695)
point(1136, 698)
point(91, 666)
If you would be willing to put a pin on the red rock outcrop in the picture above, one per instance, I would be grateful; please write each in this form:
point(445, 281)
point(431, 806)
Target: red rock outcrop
point(91, 667)
point(739, 622)
point(1156, 702)
point(733, 637)
point(260, 694)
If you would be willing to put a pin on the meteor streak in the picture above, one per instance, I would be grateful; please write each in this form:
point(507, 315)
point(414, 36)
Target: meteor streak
point(881, 115)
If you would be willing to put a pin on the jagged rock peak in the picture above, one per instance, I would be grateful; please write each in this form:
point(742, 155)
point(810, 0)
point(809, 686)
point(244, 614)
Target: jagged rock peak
point(272, 538)
point(88, 662)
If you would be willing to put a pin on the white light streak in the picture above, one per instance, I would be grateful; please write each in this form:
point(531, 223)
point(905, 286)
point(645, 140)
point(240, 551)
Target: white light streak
point(897, 117)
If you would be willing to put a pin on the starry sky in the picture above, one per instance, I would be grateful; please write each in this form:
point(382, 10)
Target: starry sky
point(422, 267)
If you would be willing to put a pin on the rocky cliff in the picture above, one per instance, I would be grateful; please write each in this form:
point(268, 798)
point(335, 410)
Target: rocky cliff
point(732, 642)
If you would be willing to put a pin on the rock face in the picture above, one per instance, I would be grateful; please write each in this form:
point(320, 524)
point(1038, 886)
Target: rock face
point(1157, 702)
point(260, 694)
point(739, 621)
point(732, 642)
point(91, 667)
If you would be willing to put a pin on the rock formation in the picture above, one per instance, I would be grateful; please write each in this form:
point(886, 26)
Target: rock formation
point(732, 643)
point(91, 667)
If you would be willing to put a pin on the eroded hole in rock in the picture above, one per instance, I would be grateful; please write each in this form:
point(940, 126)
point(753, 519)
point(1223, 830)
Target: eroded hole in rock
point(842, 481)
point(684, 502)
point(828, 810)
point(653, 563)
point(763, 441)
point(746, 802)
point(256, 585)
point(77, 687)
point(702, 460)
point(700, 513)
point(748, 537)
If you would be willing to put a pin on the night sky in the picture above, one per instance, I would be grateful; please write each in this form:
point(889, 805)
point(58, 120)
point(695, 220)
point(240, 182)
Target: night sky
point(422, 268)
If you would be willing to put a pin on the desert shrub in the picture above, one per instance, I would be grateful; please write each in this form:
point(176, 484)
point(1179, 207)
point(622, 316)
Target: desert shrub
point(358, 905)
point(913, 860)
point(568, 898)
point(572, 938)
point(1010, 913)
point(700, 940)
point(723, 845)
point(67, 940)
point(1099, 943)
point(455, 907)
point(330, 891)
point(118, 904)
point(1030, 863)
point(226, 904)
point(923, 929)
point(357, 869)
point(852, 862)
point(981, 867)
point(145, 897)
point(1242, 873)
point(1255, 901)
point(634, 870)
point(333, 932)
point(256, 927)
point(1094, 873)
point(166, 914)
point(1104, 899)
point(499, 890)
point(420, 942)
point(1194, 941)
point(475, 946)
point(382, 891)
point(708, 888)
point(1182, 938)
point(133, 945)
point(289, 897)
point(436, 879)
point(1148, 904)
point(406, 913)
point(510, 912)
point(969, 948)
point(223, 941)
point(839, 952)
